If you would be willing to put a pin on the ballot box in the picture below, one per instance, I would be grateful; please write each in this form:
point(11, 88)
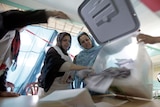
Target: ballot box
point(115, 25)
point(108, 20)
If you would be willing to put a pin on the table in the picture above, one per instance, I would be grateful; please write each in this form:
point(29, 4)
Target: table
point(26, 101)
point(127, 102)
point(32, 101)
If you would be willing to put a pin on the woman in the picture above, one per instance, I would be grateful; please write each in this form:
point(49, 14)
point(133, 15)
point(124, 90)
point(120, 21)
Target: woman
point(58, 67)
point(87, 56)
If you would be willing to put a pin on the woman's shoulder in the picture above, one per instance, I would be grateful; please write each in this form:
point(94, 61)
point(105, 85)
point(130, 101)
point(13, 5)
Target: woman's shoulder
point(50, 49)
point(81, 52)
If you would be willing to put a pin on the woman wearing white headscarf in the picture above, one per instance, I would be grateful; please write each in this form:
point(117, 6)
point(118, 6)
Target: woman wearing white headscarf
point(58, 67)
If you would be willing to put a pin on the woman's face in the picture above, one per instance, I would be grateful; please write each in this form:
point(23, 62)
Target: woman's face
point(85, 42)
point(66, 42)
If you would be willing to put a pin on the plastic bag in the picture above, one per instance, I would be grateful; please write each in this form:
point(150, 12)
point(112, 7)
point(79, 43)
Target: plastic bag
point(139, 83)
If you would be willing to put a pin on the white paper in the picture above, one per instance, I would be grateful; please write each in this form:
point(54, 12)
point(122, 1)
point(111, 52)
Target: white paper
point(98, 83)
point(72, 97)
point(103, 104)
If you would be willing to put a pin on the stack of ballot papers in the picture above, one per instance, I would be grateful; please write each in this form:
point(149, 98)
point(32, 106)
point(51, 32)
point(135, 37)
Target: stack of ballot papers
point(73, 98)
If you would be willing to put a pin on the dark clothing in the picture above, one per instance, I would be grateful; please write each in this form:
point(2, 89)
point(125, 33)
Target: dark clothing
point(50, 69)
point(15, 45)
point(10, 20)
point(3, 81)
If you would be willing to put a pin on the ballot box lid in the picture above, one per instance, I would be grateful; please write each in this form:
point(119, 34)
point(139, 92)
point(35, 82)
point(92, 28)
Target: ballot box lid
point(108, 20)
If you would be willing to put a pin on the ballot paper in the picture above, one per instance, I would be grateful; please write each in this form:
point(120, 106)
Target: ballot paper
point(73, 98)
point(98, 83)
point(101, 82)
point(103, 104)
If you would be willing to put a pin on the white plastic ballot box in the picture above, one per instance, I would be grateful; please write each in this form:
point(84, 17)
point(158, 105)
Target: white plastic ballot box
point(113, 23)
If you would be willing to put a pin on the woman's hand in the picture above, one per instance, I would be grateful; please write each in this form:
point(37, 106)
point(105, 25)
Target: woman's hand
point(86, 73)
